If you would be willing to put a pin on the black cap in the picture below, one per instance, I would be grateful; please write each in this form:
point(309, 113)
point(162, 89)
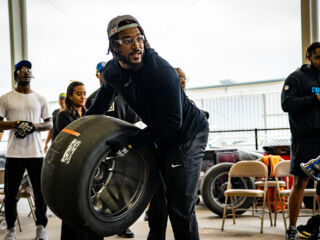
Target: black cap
point(25, 63)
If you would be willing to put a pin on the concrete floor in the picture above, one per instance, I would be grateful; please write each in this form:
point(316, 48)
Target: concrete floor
point(209, 227)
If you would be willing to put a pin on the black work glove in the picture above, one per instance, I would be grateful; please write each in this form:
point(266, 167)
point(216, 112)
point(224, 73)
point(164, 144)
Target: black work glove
point(23, 128)
point(118, 147)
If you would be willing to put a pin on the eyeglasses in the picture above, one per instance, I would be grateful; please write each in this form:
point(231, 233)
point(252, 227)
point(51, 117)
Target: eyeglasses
point(130, 41)
point(184, 78)
point(24, 70)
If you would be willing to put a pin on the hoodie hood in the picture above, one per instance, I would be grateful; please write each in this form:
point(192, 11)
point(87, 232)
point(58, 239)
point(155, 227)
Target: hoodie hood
point(305, 67)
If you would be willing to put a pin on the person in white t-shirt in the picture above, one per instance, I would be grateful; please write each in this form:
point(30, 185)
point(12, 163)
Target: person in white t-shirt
point(26, 114)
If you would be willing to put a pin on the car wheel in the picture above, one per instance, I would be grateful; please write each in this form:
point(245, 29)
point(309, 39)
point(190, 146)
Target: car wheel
point(91, 189)
point(215, 183)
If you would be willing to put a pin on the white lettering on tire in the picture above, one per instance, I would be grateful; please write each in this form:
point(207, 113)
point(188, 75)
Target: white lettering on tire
point(70, 151)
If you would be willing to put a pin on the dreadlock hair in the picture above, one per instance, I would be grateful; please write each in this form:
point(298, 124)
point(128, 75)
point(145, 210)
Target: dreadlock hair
point(114, 46)
point(69, 104)
point(312, 49)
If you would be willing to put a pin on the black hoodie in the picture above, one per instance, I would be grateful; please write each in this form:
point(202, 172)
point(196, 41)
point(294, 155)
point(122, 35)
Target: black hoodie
point(299, 99)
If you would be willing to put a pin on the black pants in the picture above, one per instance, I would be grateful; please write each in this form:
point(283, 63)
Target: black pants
point(14, 170)
point(69, 232)
point(302, 152)
point(180, 169)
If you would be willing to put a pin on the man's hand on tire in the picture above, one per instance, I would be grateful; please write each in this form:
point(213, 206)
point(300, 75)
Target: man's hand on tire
point(122, 152)
point(119, 149)
point(23, 128)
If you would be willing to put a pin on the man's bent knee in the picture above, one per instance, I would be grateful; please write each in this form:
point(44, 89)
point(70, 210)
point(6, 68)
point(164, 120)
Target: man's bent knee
point(300, 182)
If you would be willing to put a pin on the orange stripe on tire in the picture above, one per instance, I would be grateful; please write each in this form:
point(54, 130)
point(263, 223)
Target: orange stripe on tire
point(74, 133)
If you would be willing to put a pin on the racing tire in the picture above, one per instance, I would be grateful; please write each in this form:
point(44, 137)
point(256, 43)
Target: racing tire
point(86, 185)
point(215, 183)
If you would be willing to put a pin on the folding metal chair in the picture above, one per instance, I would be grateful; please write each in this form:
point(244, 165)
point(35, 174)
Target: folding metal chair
point(246, 169)
point(282, 170)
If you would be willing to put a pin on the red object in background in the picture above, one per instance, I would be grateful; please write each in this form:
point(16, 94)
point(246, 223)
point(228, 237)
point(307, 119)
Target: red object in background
point(227, 156)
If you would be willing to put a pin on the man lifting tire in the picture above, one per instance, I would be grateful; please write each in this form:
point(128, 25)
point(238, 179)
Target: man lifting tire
point(176, 127)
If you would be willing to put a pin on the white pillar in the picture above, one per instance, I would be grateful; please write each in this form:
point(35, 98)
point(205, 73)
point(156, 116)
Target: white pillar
point(18, 32)
point(314, 21)
point(309, 24)
point(305, 27)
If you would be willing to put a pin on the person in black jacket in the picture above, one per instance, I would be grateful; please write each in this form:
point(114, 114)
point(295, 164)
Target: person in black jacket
point(99, 68)
point(119, 109)
point(300, 98)
point(176, 127)
point(75, 108)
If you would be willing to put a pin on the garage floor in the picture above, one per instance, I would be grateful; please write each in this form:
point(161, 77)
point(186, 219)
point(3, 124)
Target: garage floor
point(209, 226)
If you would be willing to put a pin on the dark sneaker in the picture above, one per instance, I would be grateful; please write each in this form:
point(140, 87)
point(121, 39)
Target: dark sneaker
point(304, 231)
point(146, 216)
point(311, 229)
point(292, 234)
point(126, 234)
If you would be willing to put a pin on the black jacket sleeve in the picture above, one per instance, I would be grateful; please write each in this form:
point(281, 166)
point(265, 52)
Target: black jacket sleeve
point(131, 115)
point(291, 101)
point(90, 99)
point(123, 111)
point(106, 93)
point(63, 119)
point(103, 100)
